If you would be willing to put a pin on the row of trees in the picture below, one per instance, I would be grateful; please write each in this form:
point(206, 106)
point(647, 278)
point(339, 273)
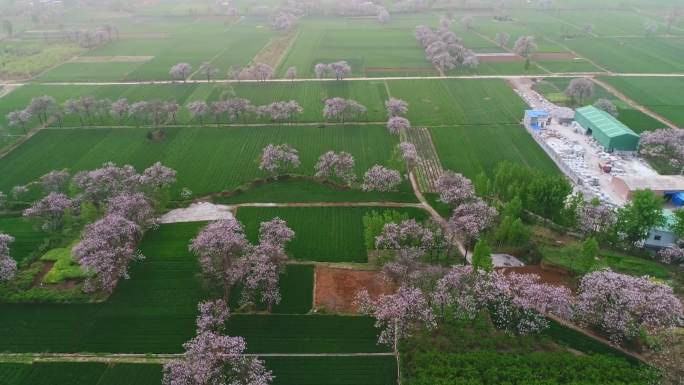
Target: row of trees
point(258, 71)
point(444, 49)
point(89, 110)
point(339, 167)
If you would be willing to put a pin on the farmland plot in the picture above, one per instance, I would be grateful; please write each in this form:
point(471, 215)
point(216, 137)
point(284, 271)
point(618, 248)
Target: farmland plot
point(153, 312)
point(661, 95)
point(324, 234)
point(460, 148)
point(80, 373)
point(208, 159)
point(27, 238)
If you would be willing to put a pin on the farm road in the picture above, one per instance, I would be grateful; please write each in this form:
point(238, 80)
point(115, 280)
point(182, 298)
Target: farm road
point(550, 75)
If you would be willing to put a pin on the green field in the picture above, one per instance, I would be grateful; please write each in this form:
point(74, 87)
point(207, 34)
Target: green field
point(324, 234)
point(27, 238)
point(208, 159)
point(460, 148)
point(296, 290)
point(297, 190)
point(154, 312)
point(167, 42)
point(321, 370)
point(661, 95)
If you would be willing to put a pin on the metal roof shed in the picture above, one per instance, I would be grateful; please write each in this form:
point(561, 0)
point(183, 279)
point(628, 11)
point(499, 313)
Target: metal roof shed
point(608, 131)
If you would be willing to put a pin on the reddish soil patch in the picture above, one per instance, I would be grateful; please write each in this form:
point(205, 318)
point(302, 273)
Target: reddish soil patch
point(399, 69)
point(336, 288)
point(503, 58)
point(552, 277)
point(554, 56)
point(38, 279)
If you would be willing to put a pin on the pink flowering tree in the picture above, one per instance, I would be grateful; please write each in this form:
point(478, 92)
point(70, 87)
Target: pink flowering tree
point(397, 315)
point(278, 159)
point(134, 207)
point(406, 234)
point(397, 125)
point(343, 109)
point(380, 178)
point(291, 73)
point(409, 153)
point(266, 263)
point(106, 249)
point(671, 254)
point(333, 165)
point(282, 21)
point(595, 218)
point(320, 70)
point(340, 69)
point(407, 268)
point(100, 184)
point(454, 188)
point(55, 181)
point(519, 302)
point(180, 71)
point(50, 211)
point(396, 107)
point(198, 110)
point(8, 266)
point(462, 293)
point(470, 219)
point(220, 246)
point(212, 358)
point(383, 15)
point(281, 111)
point(664, 147)
point(262, 71)
point(621, 306)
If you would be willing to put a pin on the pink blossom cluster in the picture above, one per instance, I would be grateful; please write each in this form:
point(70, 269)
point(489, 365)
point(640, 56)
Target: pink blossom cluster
point(8, 266)
point(380, 178)
point(55, 181)
point(406, 234)
point(134, 207)
point(282, 21)
point(595, 218)
point(212, 358)
point(180, 71)
point(342, 109)
point(339, 69)
point(277, 159)
point(261, 71)
point(396, 107)
point(280, 111)
point(409, 153)
point(398, 124)
point(444, 50)
point(398, 314)
point(50, 210)
point(106, 248)
point(336, 165)
point(621, 305)
point(470, 219)
point(666, 144)
point(454, 188)
point(671, 254)
point(220, 246)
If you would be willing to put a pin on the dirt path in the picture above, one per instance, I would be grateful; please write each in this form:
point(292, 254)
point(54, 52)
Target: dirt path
point(634, 104)
point(435, 215)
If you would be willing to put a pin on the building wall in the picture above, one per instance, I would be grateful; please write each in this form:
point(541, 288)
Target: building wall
point(658, 239)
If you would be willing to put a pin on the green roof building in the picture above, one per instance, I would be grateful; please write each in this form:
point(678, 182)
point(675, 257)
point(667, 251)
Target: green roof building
point(608, 131)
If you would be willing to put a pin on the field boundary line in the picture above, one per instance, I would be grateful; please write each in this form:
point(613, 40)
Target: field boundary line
point(152, 358)
point(280, 80)
point(632, 103)
point(330, 204)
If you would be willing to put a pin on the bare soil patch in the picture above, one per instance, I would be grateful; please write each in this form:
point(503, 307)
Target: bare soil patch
point(111, 59)
point(274, 51)
point(38, 279)
point(336, 288)
point(555, 277)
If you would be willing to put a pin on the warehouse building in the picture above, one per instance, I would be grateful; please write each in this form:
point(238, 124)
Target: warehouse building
point(667, 186)
point(608, 131)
